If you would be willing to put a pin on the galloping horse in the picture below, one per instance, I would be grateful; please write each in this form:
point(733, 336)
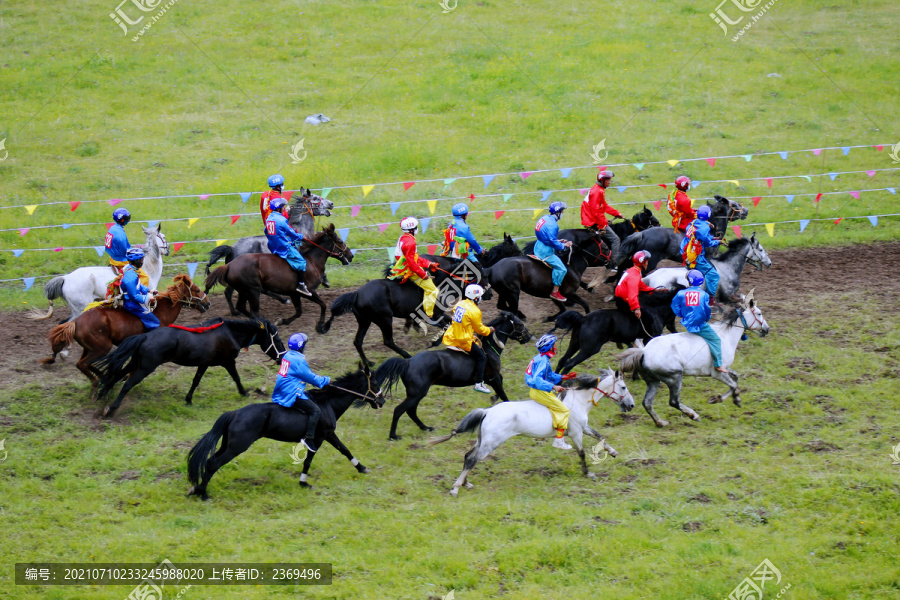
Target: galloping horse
point(639, 222)
point(449, 368)
point(250, 274)
point(98, 329)
point(87, 284)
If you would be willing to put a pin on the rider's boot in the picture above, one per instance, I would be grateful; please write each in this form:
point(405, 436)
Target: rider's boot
point(559, 442)
point(301, 285)
point(480, 387)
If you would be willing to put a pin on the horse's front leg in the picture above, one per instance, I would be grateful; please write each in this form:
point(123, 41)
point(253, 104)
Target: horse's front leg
point(674, 385)
point(731, 380)
point(320, 326)
point(496, 383)
point(307, 462)
point(332, 439)
point(232, 370)
point(596, 435)
point(201, 370)
point(298, 310)
point(576, 435)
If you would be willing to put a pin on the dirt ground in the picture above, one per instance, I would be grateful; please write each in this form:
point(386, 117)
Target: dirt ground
point(794, 275)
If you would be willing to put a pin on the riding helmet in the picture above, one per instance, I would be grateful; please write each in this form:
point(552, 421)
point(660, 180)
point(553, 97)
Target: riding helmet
point(275, 181)
point(695, 278)
point(297, 342)
point(546, 343)
point(704, 212)
point(409, 224)
point(640, 257)
point(556, 208)
point(277, 204)
point(474, 292)
point(121, 216)
point(460, 210)
point(134, 255)
point(683, 181)
point(605, 175)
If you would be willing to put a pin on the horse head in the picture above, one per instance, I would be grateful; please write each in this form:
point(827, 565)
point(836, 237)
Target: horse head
point(184, 290)
point(339, 248)
point(612, 385)
point(156, 239)
point(750, 315)
point(321, 207)
point(374, 395)
point(757, 255)
point(644, 220)
point(731, 210)
point(275, 348)
point(512, 326)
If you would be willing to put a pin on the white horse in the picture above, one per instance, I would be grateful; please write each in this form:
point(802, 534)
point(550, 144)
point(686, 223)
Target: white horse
point(728, 265)
point(88, 284)
point(502, 421)
point(668, 358)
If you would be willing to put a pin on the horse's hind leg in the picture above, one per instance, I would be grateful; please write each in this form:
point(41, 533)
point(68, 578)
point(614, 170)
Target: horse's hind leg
point(201, 370)
point(472, 458)
point(408, 406)
point(652, 388)
point(387, 336)
point(135, 378)
point(229, 291)
point(674, 385)
point(415, 416)
point(225, 455)
point(362, 329)
point(561, 309)
point(731, 380)
point(298, 310)
point(332, 439)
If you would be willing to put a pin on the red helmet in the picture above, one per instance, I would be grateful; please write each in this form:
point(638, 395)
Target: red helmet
point(683, 181)
point(605, 175)
point(640, 257)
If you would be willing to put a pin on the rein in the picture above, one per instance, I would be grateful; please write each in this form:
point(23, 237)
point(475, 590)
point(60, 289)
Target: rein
point(375, 395)
point(610, 396)
point(437, 268)
point(331, 253)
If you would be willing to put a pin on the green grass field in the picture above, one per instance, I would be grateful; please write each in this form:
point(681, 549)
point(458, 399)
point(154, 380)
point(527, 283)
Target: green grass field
point(212, 98)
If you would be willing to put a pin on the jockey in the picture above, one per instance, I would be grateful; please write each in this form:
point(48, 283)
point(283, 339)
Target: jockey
point(116, 243)
point(410, 266)
point(697, 238)
point(628, 288)
point(594, 210)
point(276, 182)
point(282, 239)
point(680, 206)
point(539, 376)
point(466, 322)
point(458, 238)
point(548, 243)
point(137, 294)
point(692, 305)
point(290, 386)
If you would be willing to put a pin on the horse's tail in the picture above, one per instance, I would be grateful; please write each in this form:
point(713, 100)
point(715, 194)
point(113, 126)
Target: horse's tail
point(217, 253)
point(570, 320)
point(342, 305)
point(52, 291)
point(113, 367)
point(60, 337)
point(200, 454)
point(390, 372)
point(631, 360)
point(469, 423)
point(215, 278)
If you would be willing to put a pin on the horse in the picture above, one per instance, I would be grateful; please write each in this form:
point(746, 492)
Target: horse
point(642, 220)
point(592, 331)
point(238, 429)
point(498, 423)
point(379, 301)
point(449, 368)
point(214, 343)
point(728, 265)
point(249, 274)
point(88, 284)
point(668, 358)
point(595, 256)
point(98, 329)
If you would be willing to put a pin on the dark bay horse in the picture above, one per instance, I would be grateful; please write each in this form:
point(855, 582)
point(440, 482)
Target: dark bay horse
point(98, 329)
point(450, 368)
point(639, 222)
point(250, 274)
point(215, 343)
point(379, 301)
point(238, 429)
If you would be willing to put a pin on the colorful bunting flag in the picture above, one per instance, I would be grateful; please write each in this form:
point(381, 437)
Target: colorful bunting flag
point(711, 161)
point(424, 222)
point(432, 248)
point(432, 204)
point(855, 194)
point(394, 207)
point(838, 220)
point(506, 197)
point(526, 174)
point(845, 150)
point(58, 249)
point(545, 196)
point(176, 246)
point(770, 227)
point(191, 221)
point(245, 196)
point(383, 226)
point(817, 151)
point(873, 220)
point(325, 192)
point(24, 230)
point(287, 193)
point(621, 188)
point(353, 252)
point(879, 148)
point(390, 253)
point(354, 210)
point(408, 185)
point(657, 204)
point(833, 176)
point(640, 166)
point(152, 223)
point(498, 214)
point(29, 281)
point(818, 197)
point(99, 250)
point(220, 243)
point(747, 157)
point(756, 200)
point(672, 162)
point(488, 179)
point(789, 198)
point(891, 190)
point(769, 182)
point(537, 211)
point(18, 253)
point(734, 181)
point(737, 230)
point(471, 197)
point(583, 191)
point(192, 268)
point(108, 225)
point(66, 225)
point(447, 182)
point(783, 155)
point(344, 233)
point(204, 197)
point(30, 208)
point(74, 204)
point(662, 185)
point(695, 184)
point(366, 189)
point(803, 224)
point(113, 202)
point(565, 173)
point(870, 173)
point(235, 219)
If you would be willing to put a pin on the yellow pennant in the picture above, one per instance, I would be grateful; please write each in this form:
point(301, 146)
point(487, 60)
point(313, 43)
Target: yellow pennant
point(367, 189)
point(30, 208)
point(192, 221)
point(770, 227)
point(220, 242)
point(537, 211)
point(432, 205)
point(734, 181)
point(672, 162)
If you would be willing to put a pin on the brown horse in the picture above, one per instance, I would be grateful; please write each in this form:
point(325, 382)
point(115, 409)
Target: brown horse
point(98, 329)
point(250, 274)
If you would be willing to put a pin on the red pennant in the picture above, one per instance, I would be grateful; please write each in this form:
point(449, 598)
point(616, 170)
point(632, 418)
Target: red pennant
point(737, 230)
point(818, 197)
point(879, 148)
point(471, 197)
point(108, 225)
point(287, 194)
point(234, 219)
point(432, 248)
point(498, 214)
point(75, 204)
point(176, 246)
point(408, 185)
point(711, 161)
point(662, 185)
point(657, 204)
point(838, 220)
point(769, 182)
point(756, 200)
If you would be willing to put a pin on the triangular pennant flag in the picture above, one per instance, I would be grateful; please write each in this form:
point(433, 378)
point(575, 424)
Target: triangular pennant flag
point(891, 190)
point(565, 173)
point(817, 151)
point(737, 230)
point(657, 204)
point(353, 252)
point(447, 182)
point(18, 253)
point(152, 223)
point(30, 208)
point(770, 227)
point(235, 218)
point(432, 248)
point(108, 225)
point(640, 166)
point(879, 148)
point(100, 250)
point(870, 173)
point(29, 281)
point(66, 225)
point(286, 194)
point(769, 182)
point(383, 226)
point(818, 197)
point(245, 196)
point(220, 243)
point(747, 157)
point(789, 198)
point(325, 192)
point(734, 181)
point(803, 224)
point(192, 220)
point(24, 230)
point(846, 150)
point(783, 155)
point(583, 191)
point(394, 207)
point(204, 197)
point(695, 184)
point(471, 197)
point(537, 211)
point(855, 194)
point(113, 202)
point(662, 185)
point(545, 195)
point(354, 210)
point(807, 177)
point(711, 161)
point(424, 222)
point(621, 188)
point(366, 189)
point(432, 204)
point(672, 162)
point(838, 220)
point(192, 268)
point(74, 204)
point(390, 252)
point(506, 197)
point(526, 174)
point(487, 179)
point(833, 176)
point(756, 200)
point(873, 220)
point(498, 214)
point(176, 246)
point(408, 185)
point(344, 233)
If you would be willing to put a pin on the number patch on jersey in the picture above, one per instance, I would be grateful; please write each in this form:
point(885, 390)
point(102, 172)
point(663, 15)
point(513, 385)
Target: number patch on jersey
point(692, 298)
point(539, 224)
point(530, 364)
point(270, 227)
point(285, 367)
point(109, 239)
point(459, 313)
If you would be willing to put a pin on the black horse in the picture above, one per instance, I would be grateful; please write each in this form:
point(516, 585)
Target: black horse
point(450, 368)
point(639, 222)
point(238, 429)
point(379, 301)
point(214, 343)
point(591, 331)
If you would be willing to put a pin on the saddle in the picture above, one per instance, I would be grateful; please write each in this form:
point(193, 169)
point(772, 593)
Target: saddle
point(539, 260)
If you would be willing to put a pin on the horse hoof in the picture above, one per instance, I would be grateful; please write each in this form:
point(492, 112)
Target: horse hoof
point(395, 438)
point(737, 402)
point(714, 400)
point(303, 484)
point(696, 417)
point(426, 428)
point(190, 492)
point(454, 492)
point(468, 485)
point(662, 423)
point(278, 322)
point(204, 496)
point(366, 470)
point(107, 413)
point(590, 475)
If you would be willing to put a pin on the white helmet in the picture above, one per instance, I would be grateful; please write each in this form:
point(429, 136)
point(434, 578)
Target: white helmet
point(474, 291)
point(409, 223)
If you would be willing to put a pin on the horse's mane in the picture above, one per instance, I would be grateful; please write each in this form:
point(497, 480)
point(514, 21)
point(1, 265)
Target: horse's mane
point(732, 316)
point(504, 249)
point(348, 380)
point(737, 245)
point(503, 316)
point(176, 291)
point(585, 382)
point(660, 298)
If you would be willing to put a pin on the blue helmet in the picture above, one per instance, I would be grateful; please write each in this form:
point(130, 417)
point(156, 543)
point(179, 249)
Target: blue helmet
point(297, 342)
point(460, 210)
point(134, 254)
point(275, 181)
point(277, 204)
point(546, 343)
point(121, 216)
point(704, 212)
point(695, 278)
point(556, 208)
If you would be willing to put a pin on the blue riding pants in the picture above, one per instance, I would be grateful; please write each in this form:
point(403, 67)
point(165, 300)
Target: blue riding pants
point(295, 259)
point(713, 341)
point(148, 319)
point(709, 274)
point(548, 255)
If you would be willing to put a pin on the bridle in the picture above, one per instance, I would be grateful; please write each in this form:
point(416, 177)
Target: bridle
point(343, 248)
point(611, 396)
point(375, 395)
point(744, 321)
point(269, 347)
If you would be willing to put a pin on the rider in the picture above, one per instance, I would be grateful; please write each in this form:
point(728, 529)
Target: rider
point(594, 210)
point(680, 206)
point(539, 376)
point(692, 305)
point(117, 244)
point(697, 238)
point(458, 238)
point(410, 266)
point(466, 322)
point(547, 230)
point(136, 293)
point(276, 182)
point(282, 239)
point(632, 283)
point(290, 386)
